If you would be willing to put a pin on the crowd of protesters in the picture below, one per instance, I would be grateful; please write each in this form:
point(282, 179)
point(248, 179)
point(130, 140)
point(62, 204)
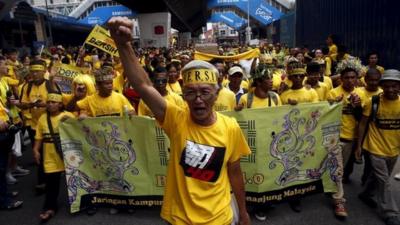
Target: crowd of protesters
point(156, 82)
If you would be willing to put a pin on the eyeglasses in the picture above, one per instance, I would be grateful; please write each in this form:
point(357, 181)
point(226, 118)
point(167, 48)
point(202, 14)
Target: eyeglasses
point(160, 81)
point(192, 95)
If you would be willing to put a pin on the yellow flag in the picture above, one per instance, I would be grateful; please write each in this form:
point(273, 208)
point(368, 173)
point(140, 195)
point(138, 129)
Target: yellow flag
point(101, 39)
point(245, 55)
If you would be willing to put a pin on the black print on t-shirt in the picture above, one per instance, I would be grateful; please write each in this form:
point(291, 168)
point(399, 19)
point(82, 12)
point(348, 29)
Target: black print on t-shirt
point(202, 162)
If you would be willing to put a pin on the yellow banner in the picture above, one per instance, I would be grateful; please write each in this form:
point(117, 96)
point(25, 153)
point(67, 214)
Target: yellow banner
point(245, 55)
point(101, 39)
point(69, 71)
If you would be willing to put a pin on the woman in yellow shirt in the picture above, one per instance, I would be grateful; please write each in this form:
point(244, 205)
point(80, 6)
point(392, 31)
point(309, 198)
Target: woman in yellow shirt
point(173, 84)
point(48, 136)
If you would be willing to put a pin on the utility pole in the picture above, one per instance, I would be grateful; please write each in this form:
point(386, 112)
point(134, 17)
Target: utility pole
point(248, 28)
point(50, 41)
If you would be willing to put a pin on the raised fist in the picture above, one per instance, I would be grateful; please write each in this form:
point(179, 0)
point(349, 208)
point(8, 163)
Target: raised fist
point(120, 29)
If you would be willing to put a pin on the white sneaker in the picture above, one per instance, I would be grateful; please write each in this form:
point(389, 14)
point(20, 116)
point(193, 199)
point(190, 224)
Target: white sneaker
point(10, 179)
point(261, 216)
point(397, 176)
point(19, 172)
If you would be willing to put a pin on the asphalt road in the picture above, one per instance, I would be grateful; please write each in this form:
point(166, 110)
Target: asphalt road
point(317, 209)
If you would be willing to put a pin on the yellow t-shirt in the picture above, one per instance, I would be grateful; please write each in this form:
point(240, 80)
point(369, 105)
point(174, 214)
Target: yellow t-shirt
point(11, 68)
point(198, 189)
point(322, 91)
point(26, 113)
point(349, 124)
point(119, 82)
point(37, 93)
point(333, 51)
point(226, 100)
point(119, 68)
point(276, 80)
point(144, 110)
point(97, 106)
point(175, 87)
point(328, 82)
point(225, 82)
point(3, 113)
point(51, 160)
point(244, 84)
point(328, 66)
point(260, 102)
point(301, 95)
point(66, 98)
point(383, 137)
point(367, 95)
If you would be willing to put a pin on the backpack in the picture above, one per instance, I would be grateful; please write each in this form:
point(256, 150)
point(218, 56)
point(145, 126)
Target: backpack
point(372, 116)
point(271, 95)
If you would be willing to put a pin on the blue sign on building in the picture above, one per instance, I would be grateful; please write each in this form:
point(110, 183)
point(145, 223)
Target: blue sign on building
point(229, 18)
point(258, 9)
point(102, 14)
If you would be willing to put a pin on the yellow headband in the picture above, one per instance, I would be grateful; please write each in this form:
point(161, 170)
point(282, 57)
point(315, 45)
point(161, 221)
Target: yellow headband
point(37, 68)
point(54, 97)
point(200, 76)
point(297, 71)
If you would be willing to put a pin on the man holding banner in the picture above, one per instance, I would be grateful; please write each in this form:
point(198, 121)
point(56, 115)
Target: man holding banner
point(205, 146)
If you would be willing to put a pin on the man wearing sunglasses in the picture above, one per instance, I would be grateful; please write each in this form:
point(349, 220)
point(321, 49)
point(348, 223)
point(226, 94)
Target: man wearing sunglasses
point(160, 80)
point(205, 146)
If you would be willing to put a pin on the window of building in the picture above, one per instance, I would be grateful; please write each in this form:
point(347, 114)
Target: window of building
point(233, 32)
point(222, 32)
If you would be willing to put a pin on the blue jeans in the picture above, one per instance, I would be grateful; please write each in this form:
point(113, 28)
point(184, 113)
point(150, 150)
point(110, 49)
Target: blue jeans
point(4, 152)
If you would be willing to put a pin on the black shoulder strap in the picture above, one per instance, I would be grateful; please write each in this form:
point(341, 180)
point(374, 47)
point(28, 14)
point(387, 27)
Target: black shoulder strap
point(28, 92)
point(54, 137)
point(22, 91)
point(50, 88)
point(374, 108)
point(250, 97)
point(372, 116)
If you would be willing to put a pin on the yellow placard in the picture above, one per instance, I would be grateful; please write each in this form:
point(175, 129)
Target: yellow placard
point(101, 39)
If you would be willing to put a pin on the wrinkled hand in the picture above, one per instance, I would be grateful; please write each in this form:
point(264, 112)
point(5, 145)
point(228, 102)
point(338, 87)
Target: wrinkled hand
point(120, 29)
point(239, 107)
